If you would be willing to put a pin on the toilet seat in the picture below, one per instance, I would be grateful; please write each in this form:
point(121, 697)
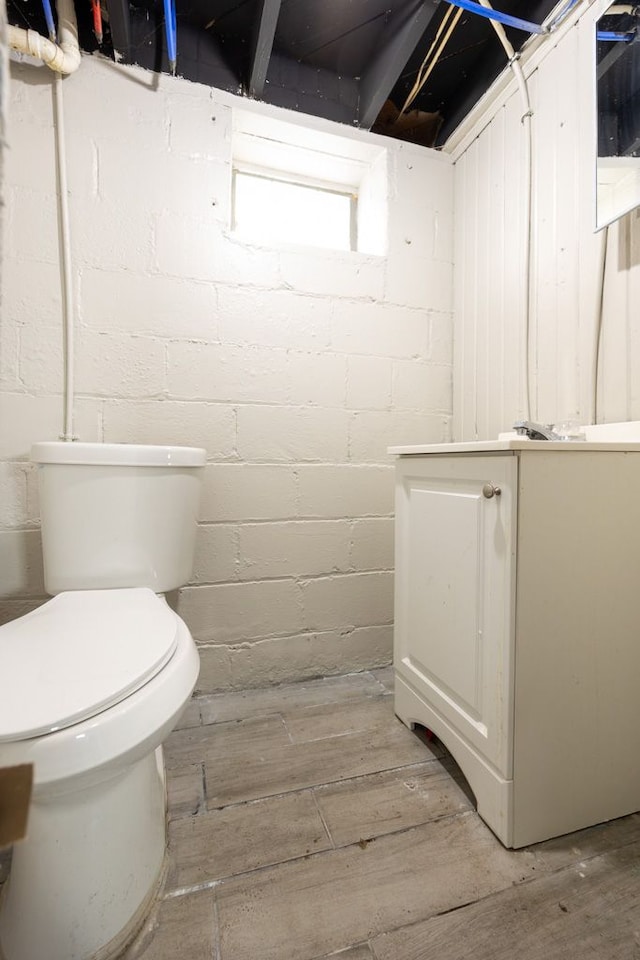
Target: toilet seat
point(79, 654)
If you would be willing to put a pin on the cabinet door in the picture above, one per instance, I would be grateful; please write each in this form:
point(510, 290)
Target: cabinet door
point(454, 596)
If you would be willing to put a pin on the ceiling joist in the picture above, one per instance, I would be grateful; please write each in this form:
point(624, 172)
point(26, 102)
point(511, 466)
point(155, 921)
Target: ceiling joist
point(263, 36)
point(120, 24)
point(342, 60)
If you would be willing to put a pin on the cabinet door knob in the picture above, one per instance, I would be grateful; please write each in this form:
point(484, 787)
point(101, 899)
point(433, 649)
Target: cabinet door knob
point(490, 490)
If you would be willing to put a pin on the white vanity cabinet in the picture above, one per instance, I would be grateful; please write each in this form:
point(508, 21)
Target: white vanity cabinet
point(517, 625)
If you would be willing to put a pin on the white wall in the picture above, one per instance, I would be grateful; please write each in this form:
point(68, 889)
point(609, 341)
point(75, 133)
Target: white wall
point(294, 368)
point(488, 377)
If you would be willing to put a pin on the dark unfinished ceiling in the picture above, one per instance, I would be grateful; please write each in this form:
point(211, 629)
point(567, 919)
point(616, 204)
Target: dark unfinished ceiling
point(352, 61)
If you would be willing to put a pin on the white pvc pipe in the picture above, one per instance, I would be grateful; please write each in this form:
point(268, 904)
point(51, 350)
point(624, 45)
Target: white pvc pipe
point(65, 260)
point(64, 56)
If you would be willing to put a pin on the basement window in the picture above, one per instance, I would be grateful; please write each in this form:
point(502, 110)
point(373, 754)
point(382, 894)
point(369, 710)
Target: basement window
point(270, 210)
point(303, 185)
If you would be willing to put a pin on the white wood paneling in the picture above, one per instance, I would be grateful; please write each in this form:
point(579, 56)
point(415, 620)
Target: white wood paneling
point(489, 389)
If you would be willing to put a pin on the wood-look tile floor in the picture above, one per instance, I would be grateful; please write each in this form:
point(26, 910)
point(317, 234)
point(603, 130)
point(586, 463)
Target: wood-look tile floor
point(306, 821)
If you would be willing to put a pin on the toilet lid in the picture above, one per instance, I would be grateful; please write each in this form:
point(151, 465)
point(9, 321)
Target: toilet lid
point(79, 654)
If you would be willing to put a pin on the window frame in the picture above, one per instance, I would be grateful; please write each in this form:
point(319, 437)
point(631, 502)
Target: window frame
point(309, 183)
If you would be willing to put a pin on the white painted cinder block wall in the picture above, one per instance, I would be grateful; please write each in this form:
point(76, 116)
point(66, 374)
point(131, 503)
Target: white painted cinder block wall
point(566, 252)
point(294, 368)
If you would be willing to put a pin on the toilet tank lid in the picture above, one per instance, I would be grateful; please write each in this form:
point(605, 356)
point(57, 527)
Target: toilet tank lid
point(117, 454)
point(79, 654)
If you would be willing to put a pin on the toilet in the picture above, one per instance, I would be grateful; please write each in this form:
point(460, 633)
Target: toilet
point(91, 683)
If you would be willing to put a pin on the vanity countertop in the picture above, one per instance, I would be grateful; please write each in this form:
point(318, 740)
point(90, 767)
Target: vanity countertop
point(514, 445)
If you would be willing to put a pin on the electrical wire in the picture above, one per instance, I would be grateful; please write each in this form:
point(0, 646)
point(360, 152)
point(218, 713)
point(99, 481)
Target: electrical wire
point(424, 74)
point(423, 77)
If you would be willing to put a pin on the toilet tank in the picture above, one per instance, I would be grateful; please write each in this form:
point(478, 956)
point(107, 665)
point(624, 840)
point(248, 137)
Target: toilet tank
point(117, 514)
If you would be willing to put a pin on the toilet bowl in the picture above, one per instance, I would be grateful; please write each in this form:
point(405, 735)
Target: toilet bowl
point(92, 683)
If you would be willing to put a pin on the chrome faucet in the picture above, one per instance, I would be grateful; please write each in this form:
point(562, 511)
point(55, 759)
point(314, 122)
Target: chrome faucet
point(535, 431)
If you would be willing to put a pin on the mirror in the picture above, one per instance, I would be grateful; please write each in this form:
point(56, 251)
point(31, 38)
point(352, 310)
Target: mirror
point(618, 113)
